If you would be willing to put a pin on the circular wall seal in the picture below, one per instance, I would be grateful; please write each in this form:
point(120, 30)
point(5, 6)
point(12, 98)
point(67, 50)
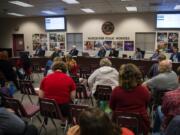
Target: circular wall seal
point(108, 28)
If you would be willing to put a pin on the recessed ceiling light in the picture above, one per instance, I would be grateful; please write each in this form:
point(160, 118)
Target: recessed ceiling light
point(49, 12)
point(87, 10)
point(15, 14)
point(71, 1)
point(131, 9)
point(22, 4)
point(177, 7)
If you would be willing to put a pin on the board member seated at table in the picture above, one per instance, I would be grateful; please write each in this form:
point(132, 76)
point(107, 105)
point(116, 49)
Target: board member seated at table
point(73, 51)
point(57, 52)
point(138, 54)
point(113, 52)
point(155, 56)
point(175, 56)
point(40, 51)
point(102, 52)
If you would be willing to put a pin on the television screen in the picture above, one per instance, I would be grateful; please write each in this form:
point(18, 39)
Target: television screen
point(55, 23)
point(168, 20)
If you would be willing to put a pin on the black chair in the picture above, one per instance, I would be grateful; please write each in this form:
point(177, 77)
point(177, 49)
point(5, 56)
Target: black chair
point(103, 92)
point(27, 89)
point(128, 120)
point(50, 109)
point(26, 111)
point(85, 72)
point(82, 94)
point(75, 112)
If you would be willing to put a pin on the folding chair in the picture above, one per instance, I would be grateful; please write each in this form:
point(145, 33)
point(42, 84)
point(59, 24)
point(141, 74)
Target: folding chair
point(129, 120)
point(26, 111)
point(75, 112)
point(103, 92)
point(82, 94)
point(27, 88)
point(37, 69)
point(50, 109)
point(85, 72)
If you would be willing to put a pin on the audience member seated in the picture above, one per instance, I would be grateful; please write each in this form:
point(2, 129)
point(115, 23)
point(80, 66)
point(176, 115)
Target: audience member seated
point(7, 70)
point(114, 52)
point(138, 54)
point(73, 51)
point(165, 80)
point(173, 127)
point(102, 52)
point(49, 71)
point(175, 56)
point(59, 86)
point(95, 122)
point(40, 51)
point(169, 109)
point(154, 70)
point(71, 65)
point(57, 53)
point(155, 56)
point(130, 96)
point(11, 124)
point(105, 75)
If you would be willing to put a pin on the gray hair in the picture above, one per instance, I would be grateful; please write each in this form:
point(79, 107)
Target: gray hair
point(105, 62)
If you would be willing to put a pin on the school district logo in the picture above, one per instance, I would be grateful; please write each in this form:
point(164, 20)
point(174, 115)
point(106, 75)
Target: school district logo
point(108, 28)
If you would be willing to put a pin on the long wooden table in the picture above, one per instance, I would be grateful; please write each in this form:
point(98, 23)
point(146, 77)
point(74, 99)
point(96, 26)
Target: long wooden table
point(90, 61)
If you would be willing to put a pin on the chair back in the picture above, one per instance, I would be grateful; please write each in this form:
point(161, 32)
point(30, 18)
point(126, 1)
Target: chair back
point(158, 96)
point(103, 92)
point(85, 72)
point(26, 87)
point(75, 112)
point(129, 120)
point(49, 108)
point(81, 92)
point(15, 105)
point(36, 68)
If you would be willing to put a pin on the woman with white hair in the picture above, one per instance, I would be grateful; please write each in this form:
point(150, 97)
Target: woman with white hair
point(105, 75)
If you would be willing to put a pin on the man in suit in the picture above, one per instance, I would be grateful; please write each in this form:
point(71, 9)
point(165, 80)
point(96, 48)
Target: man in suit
point(40, 51)
point(74, 51)
point(113, 52)
point(57, 53)
point(175, 56)
point(102, 52)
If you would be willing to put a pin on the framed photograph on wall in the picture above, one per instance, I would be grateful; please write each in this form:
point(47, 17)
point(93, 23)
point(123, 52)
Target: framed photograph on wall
point(128, 45)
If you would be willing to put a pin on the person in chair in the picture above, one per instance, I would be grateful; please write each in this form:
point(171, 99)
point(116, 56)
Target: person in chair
point(113, 52)
point(57, 52)
point(40, 51)
point(102, 52)
point(73, 51)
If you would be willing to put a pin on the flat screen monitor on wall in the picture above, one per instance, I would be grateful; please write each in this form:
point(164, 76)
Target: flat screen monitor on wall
point(168, 21)
point(55, 23)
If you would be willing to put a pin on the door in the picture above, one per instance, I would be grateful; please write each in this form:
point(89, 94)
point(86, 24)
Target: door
point(18, 43)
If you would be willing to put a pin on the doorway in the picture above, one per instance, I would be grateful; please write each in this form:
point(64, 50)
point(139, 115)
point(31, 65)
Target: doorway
point(18, 43)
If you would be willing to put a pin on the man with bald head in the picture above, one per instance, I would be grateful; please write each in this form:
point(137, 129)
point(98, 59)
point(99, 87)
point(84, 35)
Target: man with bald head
point(165, 80)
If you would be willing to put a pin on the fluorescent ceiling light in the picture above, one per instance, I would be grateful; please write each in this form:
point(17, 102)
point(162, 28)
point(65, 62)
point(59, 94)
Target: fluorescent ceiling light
point(87, 10)
point(177, 7)
point(49, 12)
point(127, 0)
point(22, 4)
point(131, 8)
point(15, 14)
point(71, 1)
